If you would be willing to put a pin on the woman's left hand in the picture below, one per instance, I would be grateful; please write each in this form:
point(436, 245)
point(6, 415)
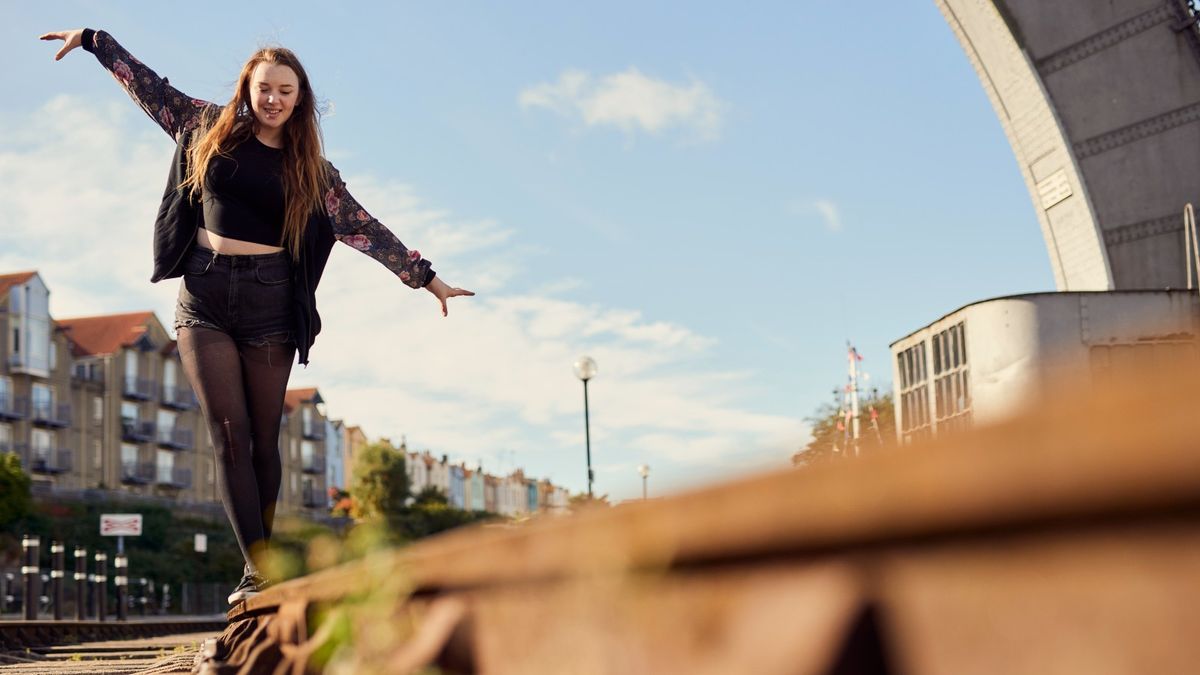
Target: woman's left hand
point(443, 291)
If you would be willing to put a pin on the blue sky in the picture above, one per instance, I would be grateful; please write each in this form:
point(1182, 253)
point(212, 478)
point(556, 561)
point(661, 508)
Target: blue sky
point(709, 199)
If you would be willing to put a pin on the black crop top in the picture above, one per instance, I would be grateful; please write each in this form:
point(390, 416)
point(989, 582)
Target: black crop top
point(243, 193)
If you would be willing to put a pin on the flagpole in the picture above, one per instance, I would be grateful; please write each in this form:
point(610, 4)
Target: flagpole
point(852, 357)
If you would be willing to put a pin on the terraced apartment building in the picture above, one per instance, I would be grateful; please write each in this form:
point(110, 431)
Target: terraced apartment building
point(100, 403)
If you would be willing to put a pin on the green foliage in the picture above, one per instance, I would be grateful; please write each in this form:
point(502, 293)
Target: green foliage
point(15, 501)
point(380, 481)
point(828, 442)
point(164, 552)
point(430, 495)
point(431, 516)
point(584, 501)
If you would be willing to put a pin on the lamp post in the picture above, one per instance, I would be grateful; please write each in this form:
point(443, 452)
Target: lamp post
point(643, 471)
point(585, 369)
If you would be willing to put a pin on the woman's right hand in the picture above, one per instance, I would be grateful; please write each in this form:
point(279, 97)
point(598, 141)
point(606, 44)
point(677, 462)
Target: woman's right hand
point(72, 38)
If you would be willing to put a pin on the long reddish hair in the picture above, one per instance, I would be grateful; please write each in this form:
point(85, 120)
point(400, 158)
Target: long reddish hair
point(304, 174)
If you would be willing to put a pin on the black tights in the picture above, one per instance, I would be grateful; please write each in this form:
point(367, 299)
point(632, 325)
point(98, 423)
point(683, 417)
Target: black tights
point(241, 388)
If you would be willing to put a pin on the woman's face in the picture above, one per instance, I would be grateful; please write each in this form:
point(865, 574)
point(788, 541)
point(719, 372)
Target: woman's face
point(274, 91)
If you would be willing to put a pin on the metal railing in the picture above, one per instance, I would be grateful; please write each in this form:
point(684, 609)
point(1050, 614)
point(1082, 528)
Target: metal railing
point(313, 464)
point(13, 407)
point(50, 460)
point(176, 477)
point(313, 431)
point(85, 374)
point(180, 398)
point(139, 388)
point(48, 414)
point(137, 473)
point(137, 431)
point(314, 499)
point(176, 439)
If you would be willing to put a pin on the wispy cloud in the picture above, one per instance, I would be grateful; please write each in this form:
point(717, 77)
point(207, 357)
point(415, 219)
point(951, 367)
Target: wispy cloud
point(826, 209)
point(80, 184)
point(630, 101)
point(829, 212)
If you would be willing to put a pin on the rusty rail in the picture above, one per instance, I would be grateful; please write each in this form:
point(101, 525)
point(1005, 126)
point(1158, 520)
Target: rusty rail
point(1065, 540)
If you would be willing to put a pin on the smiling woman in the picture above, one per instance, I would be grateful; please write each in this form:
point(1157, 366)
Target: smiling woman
point(248, 220)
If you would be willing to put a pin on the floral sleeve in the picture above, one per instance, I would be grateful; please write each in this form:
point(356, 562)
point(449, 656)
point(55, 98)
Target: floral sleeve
point(173, 110)
point(356, 228)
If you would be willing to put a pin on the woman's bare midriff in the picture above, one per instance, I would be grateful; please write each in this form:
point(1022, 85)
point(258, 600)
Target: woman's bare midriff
point(216, 242)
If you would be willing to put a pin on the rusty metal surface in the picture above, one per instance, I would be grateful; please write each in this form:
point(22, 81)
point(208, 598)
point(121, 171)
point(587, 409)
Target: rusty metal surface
point(1066, 540)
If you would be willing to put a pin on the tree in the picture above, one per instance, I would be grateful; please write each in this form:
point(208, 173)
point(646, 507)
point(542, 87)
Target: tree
point(830, 431)
point(380, 481)
point(16, 501)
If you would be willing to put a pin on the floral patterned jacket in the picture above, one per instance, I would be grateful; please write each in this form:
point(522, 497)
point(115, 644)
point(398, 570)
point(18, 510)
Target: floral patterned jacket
point(178, 114)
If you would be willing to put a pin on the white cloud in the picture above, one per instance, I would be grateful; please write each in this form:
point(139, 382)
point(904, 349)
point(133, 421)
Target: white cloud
point(828, 211)
point(630, 101)
point(80, 185)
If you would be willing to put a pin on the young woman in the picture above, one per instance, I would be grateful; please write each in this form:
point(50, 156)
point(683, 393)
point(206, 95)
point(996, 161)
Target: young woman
point(251, 211)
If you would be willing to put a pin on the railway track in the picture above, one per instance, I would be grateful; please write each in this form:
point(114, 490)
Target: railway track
point(150, 646)
point(1065, 540)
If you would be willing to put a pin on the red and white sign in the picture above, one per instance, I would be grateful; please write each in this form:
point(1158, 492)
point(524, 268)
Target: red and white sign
point(121, 524)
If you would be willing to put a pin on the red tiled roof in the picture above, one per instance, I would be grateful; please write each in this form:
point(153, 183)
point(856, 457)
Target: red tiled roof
point(7, 281)
point(95, 335)
point(294, 397)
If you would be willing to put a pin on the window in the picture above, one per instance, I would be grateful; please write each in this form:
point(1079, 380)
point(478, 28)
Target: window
point(166, 466)
point(169, 392)
point(53, 356)
point(293, 483)
point(6, 438)
point(295, 450)
point(914, 396)
point(129, 413)
point(952, 396)
point(6, 397)
point(166, 423)
point(43, 401)
point(129, 458)
point(97, 409)
point(132, 386)
point(97, 454)
point(43, 443)
point(306, 454)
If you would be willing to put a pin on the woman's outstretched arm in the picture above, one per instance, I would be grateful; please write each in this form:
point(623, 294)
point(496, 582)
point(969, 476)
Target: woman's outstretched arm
point(173, 110)
point(353, 226)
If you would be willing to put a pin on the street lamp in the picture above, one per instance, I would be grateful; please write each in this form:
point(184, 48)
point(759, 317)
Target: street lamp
point(585, 369)
point(643, 471)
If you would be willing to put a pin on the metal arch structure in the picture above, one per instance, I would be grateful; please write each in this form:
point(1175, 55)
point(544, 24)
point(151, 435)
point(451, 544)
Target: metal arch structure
point(1100, 101)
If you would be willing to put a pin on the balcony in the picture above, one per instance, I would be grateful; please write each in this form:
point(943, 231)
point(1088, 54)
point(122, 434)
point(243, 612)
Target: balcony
point(87, 374)
point(135, 431)
point(21, 450)
point(313, 499)
point(176, 478)
point(313, 464)
point(140, 389)
point(180, 398)
point(313, 431)
point(50, 460)
point(175, 439)
point(50, 415)
point(13, 408)
point(135, 473)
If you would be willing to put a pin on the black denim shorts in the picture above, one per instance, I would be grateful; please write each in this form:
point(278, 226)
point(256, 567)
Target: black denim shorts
point(248, 297)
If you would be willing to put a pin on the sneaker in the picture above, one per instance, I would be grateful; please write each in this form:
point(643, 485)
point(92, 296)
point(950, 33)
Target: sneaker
point(251, 585)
